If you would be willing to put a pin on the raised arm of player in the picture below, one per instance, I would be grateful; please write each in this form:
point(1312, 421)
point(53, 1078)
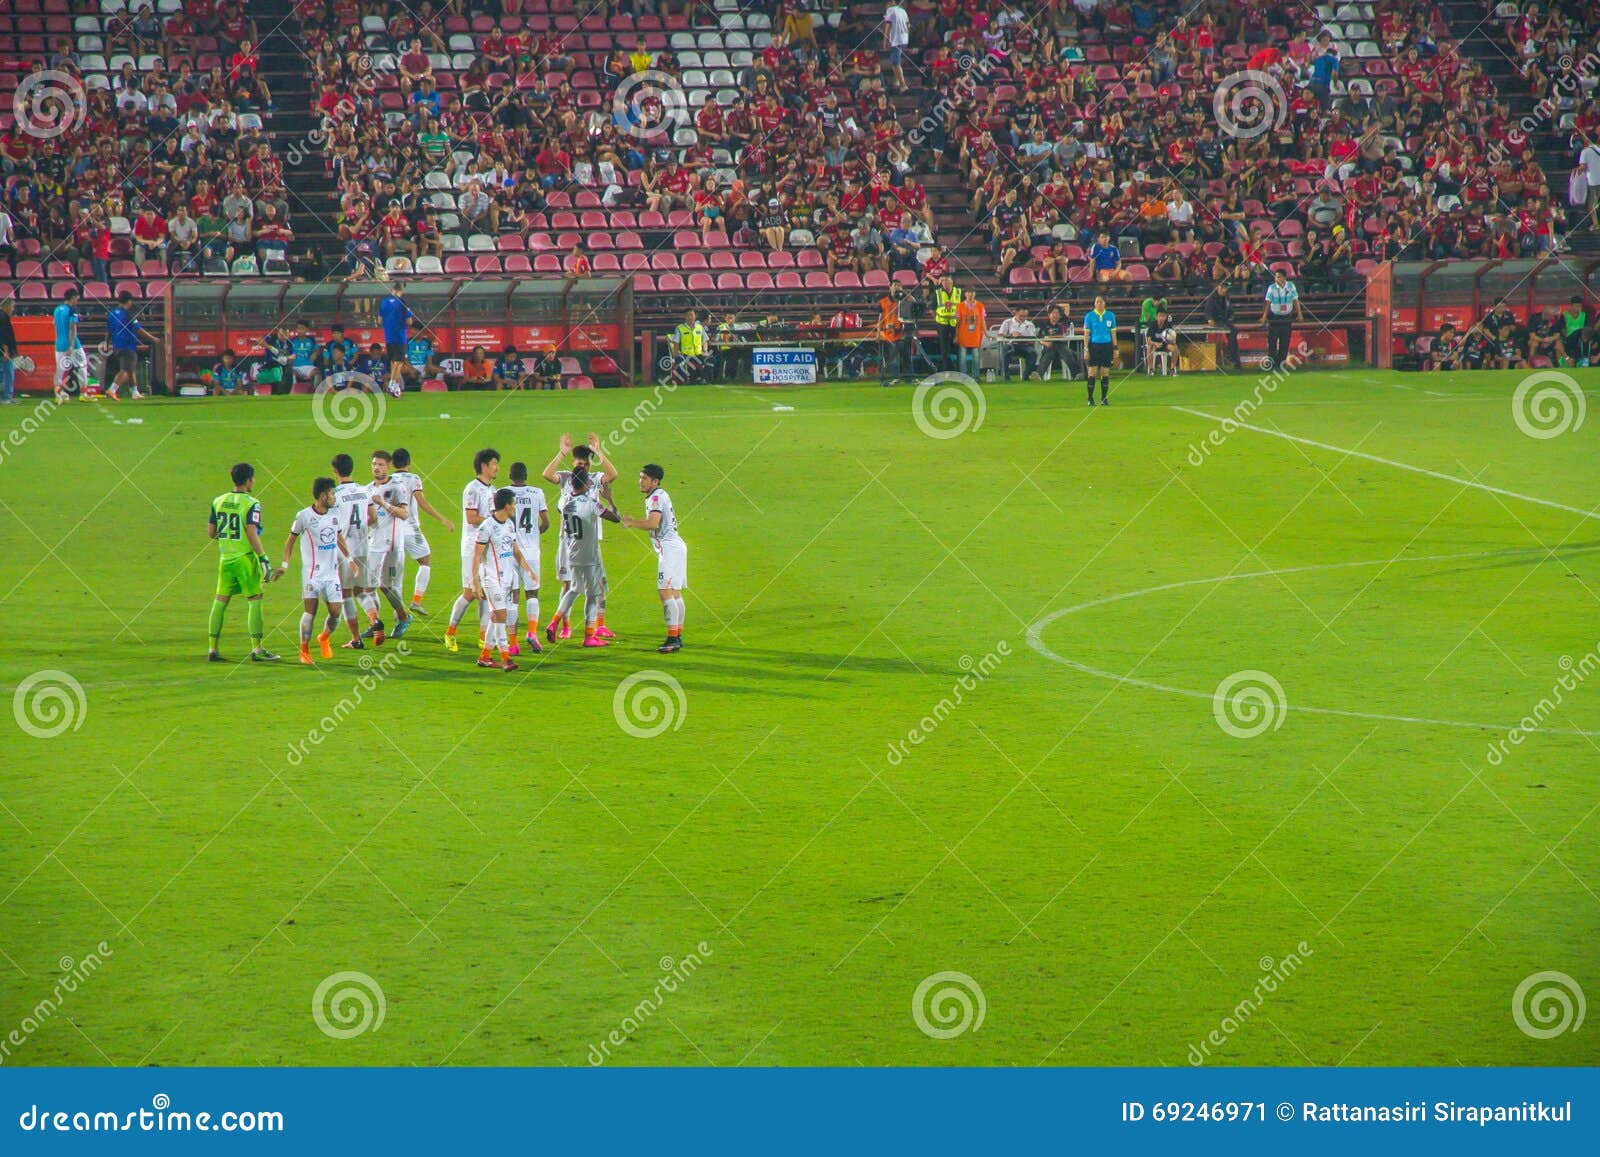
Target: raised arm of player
point(608, 472)
point(427, 508)
point(552, 472)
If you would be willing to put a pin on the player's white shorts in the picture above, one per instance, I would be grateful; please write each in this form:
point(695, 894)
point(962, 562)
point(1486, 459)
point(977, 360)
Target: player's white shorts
point(383, 566)
point(563, 559)
point(589, 581)
point(494, 594)
point(524, 579)
point(417, 544)
point(672, 566)
point(468, 575)
point(348, 578)
point(69, 360)
point(328, 589)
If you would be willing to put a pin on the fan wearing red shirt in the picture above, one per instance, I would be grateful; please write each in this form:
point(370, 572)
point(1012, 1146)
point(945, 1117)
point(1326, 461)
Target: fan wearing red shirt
point(203, 13)
point(395, 232)
point(149, 235)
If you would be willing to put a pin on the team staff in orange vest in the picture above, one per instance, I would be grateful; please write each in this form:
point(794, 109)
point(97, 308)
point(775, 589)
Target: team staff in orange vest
point(972, 322)
point(892, 334)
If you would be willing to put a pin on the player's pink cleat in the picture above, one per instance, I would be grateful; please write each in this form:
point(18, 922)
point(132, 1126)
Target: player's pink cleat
point(508, 665)
point(550, 632)
point(605, 632)
point(533, 646)
point(595, 641)
point(566, 628)
point(513, 649)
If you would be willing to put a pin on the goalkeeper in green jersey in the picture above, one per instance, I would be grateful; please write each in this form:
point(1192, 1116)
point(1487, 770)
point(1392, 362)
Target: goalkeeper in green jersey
point(243, 567)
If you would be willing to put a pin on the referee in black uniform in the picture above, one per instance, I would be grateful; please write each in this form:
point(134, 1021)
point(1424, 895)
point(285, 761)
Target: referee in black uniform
point(1281, 311)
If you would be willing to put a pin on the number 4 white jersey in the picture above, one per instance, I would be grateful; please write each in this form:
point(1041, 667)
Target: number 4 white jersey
point(351, 500)
point(530, 503)
point(666, 533)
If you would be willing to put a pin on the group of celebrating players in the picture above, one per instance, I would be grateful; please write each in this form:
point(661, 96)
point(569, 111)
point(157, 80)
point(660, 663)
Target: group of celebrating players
point(355, 537)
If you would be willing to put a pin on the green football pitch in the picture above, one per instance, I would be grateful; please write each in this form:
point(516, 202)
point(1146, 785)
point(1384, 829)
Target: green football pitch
point(1007, 731)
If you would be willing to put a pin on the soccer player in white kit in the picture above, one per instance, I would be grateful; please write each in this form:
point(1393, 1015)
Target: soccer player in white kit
point(672, 569)
point(581, 513)
point(410, 483)
point(531, 518)
point(587, 457)
point(477, 504)
point(352, 504)
point(322, 547)
point(497, 560)
point(386, 544)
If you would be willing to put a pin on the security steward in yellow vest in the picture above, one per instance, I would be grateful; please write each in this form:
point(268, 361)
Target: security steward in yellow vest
point(946, 300)
point(689, 349)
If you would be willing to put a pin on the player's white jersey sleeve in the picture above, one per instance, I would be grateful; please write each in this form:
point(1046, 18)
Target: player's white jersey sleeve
point(319, 544)
point(411, 486)
point(499, 539)
point(658, 502)
point(479, 497)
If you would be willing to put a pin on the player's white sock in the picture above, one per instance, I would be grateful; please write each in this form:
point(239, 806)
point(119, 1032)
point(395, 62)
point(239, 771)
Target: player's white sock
point(564, 607)
point(307, 621)
point(533, 613)
point(423, 574)
point(351, 613)
point(677, 612)
point(458, 611)
point(510, 627)
point(669, 610)
point(370, 602)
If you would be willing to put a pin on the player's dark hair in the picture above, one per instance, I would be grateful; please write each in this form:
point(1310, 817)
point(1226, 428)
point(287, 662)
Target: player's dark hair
point(384, 454)
point(654, 471)
point(581, 453)
point(487, 454)
point(321, 486)
point(504, 497)
point(124, 297)
point(578, 480)
point(242, 473)
point(343, 465)
point(71, 294)
point(402, 458)
point(519, 472)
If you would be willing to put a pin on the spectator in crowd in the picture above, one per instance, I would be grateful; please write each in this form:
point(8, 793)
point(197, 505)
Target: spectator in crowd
point(547, 370)
point(477, 372)
point(1018, 343)
point(509, 372)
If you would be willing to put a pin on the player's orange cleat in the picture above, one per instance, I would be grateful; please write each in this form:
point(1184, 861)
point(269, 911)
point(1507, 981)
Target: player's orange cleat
point(325, 645)
point(305, 653)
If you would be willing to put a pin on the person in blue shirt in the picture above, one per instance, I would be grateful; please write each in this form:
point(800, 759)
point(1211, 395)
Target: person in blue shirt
point(1107, 259)
point(303, 354)
point(227, 376)
point(395, 314)
point(72, 365)
point(346, 352)
point(419, 351)
point(1100, 326)
point(125, 332)
point(370, 364)
point(1323, 71)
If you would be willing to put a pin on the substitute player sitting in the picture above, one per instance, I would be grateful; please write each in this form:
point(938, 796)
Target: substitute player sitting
point(496, 560)
point(322, 550)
